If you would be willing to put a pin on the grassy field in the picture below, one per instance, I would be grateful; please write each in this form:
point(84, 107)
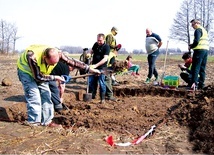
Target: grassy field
point(136, 57)
point(143, 57)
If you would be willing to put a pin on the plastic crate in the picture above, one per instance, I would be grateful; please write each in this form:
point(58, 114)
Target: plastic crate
point(171, 81)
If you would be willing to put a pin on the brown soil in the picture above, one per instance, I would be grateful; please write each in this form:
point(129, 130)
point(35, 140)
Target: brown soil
point(184, 120)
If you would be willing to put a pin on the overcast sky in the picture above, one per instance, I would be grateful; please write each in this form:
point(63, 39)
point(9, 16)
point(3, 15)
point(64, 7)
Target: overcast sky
point(77, 22)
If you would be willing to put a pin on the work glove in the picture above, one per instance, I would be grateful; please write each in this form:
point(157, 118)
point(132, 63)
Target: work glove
point(67, 78)
point(118, 47)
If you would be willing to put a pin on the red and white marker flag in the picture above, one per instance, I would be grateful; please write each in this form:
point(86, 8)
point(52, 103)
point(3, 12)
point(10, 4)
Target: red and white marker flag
point(111, 142)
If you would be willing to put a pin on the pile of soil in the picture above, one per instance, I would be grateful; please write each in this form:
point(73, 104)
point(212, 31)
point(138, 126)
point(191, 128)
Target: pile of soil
point(197, 114)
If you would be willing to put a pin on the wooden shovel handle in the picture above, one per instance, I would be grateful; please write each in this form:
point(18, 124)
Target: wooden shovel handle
point(81, 76)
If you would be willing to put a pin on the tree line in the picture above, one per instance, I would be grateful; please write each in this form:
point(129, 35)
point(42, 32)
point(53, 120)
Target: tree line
point(203, 10)
point(8, 36)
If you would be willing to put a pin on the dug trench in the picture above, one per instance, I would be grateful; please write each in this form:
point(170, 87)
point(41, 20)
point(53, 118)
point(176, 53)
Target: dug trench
point(136, 110)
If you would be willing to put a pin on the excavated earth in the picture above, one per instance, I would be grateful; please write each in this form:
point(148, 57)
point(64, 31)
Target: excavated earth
point(184, 120)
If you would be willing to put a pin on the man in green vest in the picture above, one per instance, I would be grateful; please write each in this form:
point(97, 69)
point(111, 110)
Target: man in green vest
point(34, 67)
point(200, 47)
point(111, 41)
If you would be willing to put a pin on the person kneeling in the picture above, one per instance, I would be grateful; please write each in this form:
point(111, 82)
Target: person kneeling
point(186, 73)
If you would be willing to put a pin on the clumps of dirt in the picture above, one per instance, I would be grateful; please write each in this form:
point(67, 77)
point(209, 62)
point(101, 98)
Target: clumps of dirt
point(16, 112)
point(6, 81)
point(133, 115)
point(148, 90)
point(197, 113)
point(119, 66)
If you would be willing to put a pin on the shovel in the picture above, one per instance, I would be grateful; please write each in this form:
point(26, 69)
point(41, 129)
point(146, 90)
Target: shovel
point(88, 96)
point(69, 78)
point(164, 67)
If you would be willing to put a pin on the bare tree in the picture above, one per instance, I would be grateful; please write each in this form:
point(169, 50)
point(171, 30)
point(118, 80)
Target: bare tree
point(190, 9)
point(8, 34)
point(14, 37)
point(2, 35)
point(180, 29)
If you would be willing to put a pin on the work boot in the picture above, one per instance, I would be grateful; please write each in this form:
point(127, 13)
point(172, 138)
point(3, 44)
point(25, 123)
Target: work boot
point(157, 78)
point(60, 110)
point(112, 99)
point(148, 80)
point(65, 107)
point(93, 96)
point(102, 97)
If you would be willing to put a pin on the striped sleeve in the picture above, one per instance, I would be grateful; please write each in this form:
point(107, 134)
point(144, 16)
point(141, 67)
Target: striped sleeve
point(37, 75)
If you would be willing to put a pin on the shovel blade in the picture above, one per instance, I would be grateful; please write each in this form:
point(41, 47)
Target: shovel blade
point(87, 97)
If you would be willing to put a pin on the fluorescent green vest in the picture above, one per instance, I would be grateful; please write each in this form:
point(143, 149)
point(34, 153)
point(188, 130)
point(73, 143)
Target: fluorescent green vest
point(111, 55)
point(203, 42)
point(113, 43)
point(38, 50)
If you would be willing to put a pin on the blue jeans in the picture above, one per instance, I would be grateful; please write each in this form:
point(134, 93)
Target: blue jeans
point(199, 62)
point(55, 97)
point(38, 97)
point(151, 62)
point(93, 83)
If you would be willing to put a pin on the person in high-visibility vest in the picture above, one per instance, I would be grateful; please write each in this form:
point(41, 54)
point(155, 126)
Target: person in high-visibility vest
point(200, 47)
point(114, 48)
point(34, 67)
point(186, 73)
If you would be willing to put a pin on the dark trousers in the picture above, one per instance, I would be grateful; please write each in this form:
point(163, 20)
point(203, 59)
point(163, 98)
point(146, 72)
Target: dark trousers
point(151, 62)
point(55, 98)
point(109, 89)
point(199, 62)
point(186, 77)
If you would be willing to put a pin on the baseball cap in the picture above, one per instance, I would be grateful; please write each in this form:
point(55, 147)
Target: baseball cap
point(114, 29)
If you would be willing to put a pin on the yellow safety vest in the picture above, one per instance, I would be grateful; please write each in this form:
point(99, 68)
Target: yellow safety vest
point(111, 55)
point(203, 42)
point(113, 43)
point(38, 50)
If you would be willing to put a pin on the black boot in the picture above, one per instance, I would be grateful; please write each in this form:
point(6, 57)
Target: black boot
point(102, 97)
